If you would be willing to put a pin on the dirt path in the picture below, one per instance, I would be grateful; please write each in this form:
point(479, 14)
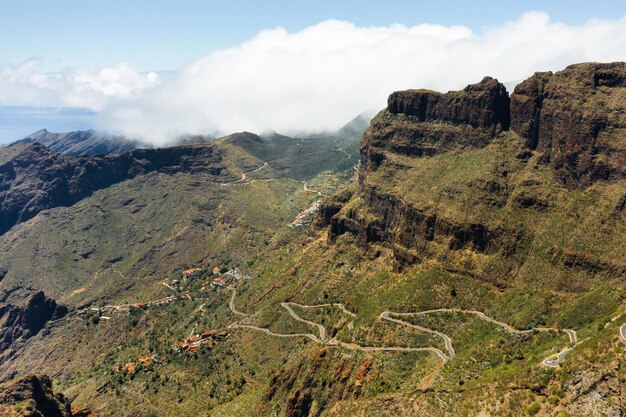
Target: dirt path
point(306, 189)
point(447, 341)
point(552, 361)
point(244, 175)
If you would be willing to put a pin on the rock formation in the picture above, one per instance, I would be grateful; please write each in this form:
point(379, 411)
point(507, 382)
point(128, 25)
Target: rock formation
point(572, 122)
point(32, 396)
point(424, 123)
point(25, 322)
point(576, 118)
point(38, 178)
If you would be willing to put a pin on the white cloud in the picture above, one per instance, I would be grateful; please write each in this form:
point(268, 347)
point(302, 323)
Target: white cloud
point(27, 84)
point(322, 76)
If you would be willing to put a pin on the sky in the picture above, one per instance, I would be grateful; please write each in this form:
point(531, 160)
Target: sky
point(157, 69)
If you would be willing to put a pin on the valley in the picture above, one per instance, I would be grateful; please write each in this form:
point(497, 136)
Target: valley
point(460, 254)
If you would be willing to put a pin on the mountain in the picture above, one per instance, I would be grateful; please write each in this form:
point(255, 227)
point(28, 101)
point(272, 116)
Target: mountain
point(38, 178)
point(33, 396)
point(465, 257)
point(82, 142)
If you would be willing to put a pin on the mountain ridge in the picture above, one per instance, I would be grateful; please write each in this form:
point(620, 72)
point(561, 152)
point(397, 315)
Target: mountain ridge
point(504, 260)
point(82, 142)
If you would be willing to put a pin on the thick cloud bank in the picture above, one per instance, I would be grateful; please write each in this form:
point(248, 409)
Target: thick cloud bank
point(322, 76)
point(26, 84)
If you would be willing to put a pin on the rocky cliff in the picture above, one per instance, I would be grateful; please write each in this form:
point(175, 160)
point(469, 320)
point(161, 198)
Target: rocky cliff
point(24, 322)
point(32, 396)
point(425, 123)
point(575, 118)
point(470, 178)
point(38, 178)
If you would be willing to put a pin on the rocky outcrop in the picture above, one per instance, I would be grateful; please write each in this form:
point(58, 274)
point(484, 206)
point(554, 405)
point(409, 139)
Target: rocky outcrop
point(38, 178)
point(576, 119)
point(25, 322)
point(483, 105)
point(296, 388)
point(412, 230)
point(32, 396)
point(573, 120)
point(424, 123)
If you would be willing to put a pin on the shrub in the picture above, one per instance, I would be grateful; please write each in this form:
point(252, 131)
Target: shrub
point(533, 409)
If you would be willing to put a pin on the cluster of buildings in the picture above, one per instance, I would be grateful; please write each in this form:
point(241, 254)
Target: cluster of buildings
point(237, 274)
point(106, 312)
point(191, 271)
point(302, 217)
point(131, 367)
point(206, 338)
point(214, 283)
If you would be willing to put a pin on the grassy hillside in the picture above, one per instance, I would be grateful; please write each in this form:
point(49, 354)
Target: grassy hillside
point(446, 279)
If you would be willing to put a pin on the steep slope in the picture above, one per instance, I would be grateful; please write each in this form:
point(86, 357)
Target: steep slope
point(9, 152)
point(82, 142)
point(38, 178)
point(32, 396)
point(25, 322)
point(443, 179)
point(461, 273)
point(575, 119)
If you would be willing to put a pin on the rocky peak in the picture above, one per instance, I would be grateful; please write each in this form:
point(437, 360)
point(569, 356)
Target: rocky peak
point(576, 119)
point(481, 105)
point(25, 322)
point(37, 392)
point(425, 123)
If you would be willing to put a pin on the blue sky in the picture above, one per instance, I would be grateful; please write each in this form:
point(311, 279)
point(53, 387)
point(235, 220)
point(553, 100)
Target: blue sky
point(157, 69)
point(159, 34)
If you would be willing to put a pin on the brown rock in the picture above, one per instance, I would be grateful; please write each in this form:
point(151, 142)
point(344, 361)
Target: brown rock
point(424, 123)
point(25, 322)
point(481, 105)
point(577, 119)
point(37, 391)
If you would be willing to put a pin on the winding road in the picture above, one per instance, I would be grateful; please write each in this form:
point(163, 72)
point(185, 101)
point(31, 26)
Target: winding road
point(552, 361)
point(322, 330)
point(306, 189)
point(342, 150)
point(244, 175)
point(232, 305)
point(446, 339)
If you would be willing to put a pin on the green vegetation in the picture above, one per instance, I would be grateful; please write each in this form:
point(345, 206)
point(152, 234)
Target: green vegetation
point(122, 244)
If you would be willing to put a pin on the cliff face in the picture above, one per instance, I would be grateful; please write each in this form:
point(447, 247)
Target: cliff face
point(576, 120)
point(470, 179)
point(38, 178)
point(424, 123)
point(37, 392)
point(27, 321)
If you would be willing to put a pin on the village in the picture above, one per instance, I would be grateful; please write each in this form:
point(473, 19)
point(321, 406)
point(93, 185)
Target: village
point(197, 281)
point(306, 215)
